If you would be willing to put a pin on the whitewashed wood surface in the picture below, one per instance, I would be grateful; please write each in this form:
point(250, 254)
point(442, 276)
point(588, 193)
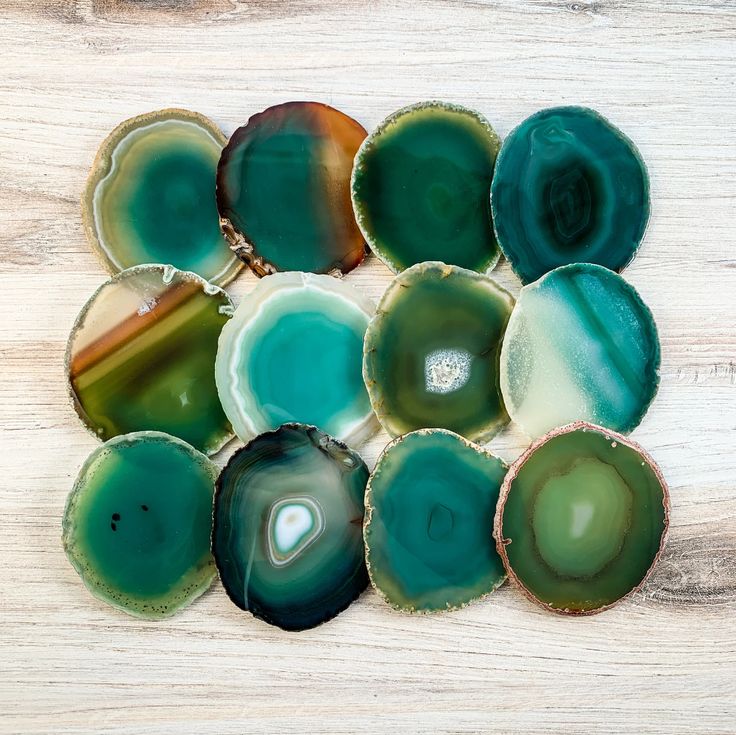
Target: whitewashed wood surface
point(663, 662)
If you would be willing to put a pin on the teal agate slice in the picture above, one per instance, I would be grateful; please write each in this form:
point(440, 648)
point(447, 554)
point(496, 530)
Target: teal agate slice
point(430, 504)
point(580, 344)
point(569, 187)
point(287, 530)
point(137, 524)
point(292, 353)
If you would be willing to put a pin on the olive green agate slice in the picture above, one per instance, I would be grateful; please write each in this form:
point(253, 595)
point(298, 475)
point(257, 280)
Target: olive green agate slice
point(150, 196)
point(580, 344)
point(581, 519)
point(421, 187)
point(283, 190)
point(431, 353)
point(569, 187)
point(287, 531)
point(430, 504)
point(141, 356)
point(293, 353)
point(137, 524)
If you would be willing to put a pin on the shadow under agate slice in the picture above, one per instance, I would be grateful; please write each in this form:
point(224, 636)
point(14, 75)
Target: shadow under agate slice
point(430, 504)
point(582, 519)
point(569, 187)
point(137, 524)
point(421, 187)
point(287, 533)
point(431, 352)
point(292, 353)
point(141, 355)
point(150, 196)
point(283, 190)
point(580, 344)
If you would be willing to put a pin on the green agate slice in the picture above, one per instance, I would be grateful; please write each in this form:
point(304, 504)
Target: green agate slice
point(569, 187)
point(283, 190)
point(580, 344)
point(137, 524)
point(581, 519)
point(292, 353)
point(431, 353)
point(141, 355)
point(430, 504)
point(421, 187)
point(287, 531)
point(150, 196)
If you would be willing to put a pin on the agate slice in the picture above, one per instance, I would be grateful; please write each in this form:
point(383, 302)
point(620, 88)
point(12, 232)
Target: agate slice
point(141, 355)
point(283, 190)
point(581, 519)
point(137, 524)
point(292, 353)
point(421, 187)
point(150, 196)
point(287, 535)
point(430, 504)
point(431, 353)
point(569, 187)
point(580, 344)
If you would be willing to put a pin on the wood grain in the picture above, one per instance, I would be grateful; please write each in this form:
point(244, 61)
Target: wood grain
point(663, 662)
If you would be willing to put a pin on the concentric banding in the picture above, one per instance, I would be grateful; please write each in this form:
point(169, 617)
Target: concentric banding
point(581, 519)
point(141, 356)
point(569, 187)
point(283, 190)
point(431, 352)
point(287, 532)
point(137, 524)
point(580, 345)
point(150, 196)
point(292, 353)
point(430, 504)
point(421, 186)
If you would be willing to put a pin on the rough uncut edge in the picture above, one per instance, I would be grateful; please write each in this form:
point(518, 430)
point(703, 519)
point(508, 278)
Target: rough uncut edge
point(67, 527)
point(620, 134)
point(502, 542)
point(101, 167)
point(209, 288)
point(367, 144)
point(393, 292)
point(369, 517)
point(240, 242)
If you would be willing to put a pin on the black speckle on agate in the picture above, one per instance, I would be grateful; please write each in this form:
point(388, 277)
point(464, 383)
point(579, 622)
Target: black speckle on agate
point(288, 522)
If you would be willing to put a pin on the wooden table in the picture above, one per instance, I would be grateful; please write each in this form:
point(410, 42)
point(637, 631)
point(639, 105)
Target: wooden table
point(663, 662)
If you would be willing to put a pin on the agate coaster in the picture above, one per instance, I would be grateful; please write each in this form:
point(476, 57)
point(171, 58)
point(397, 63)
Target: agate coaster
point(569, 187)
point(580, 344)
point(431, 353)
point(292, 353)
point(137, 524)
point(141, 356)
point(430, 504)
point(283, 190)
point(421, 187)
point(287, 531)
point(150, 196)
point(582, 519)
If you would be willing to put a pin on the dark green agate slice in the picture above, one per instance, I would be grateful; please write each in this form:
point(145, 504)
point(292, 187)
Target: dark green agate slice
point(421, 187)
point(581, 519)
point(569, 187)
point(431, 353)
point(430, 504)
point(283, 190)
point(287, 533)
point(137, 524)
point(150, 196)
